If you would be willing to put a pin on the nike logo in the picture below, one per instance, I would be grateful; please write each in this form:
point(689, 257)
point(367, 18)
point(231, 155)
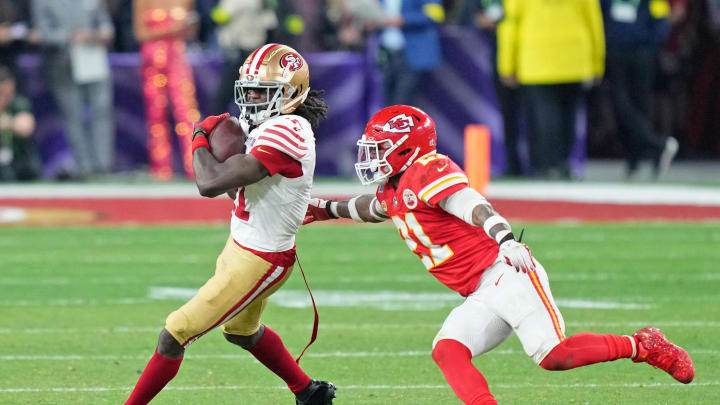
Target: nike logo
point(498, 280)
point(441, 168)
point(260, 149)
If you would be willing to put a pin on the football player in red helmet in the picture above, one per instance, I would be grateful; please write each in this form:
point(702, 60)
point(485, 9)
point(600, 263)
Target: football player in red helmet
point(470, 248)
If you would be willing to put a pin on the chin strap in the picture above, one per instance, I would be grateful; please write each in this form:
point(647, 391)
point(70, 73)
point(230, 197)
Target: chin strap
point(410, 160)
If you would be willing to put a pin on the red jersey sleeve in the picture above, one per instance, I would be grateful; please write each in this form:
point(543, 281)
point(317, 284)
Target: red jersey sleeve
point(435, 178)
point(277, 162)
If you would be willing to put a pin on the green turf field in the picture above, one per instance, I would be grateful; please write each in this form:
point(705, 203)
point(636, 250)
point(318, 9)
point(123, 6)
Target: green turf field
point(79, 320)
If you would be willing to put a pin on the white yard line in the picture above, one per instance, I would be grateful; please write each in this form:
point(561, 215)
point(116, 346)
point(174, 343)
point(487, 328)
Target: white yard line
point(361, 326)
point(387, 300)
point(590, 277)
point(242, 356)
point(698, 384)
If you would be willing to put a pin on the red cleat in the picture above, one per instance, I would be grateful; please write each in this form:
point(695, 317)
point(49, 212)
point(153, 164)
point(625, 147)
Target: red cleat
point(654, 349)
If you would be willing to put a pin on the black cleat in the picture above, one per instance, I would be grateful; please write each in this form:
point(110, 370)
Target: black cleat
point(316, 393)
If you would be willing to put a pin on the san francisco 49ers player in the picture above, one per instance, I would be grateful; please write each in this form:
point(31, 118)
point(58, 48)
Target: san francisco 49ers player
point(470, 248)
point(271, 186)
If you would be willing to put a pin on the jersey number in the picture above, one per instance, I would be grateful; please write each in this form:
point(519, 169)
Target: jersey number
point(432, 255)
point(240, 211)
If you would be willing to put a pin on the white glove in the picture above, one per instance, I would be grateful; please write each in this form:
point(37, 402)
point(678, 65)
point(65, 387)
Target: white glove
point(518, 255)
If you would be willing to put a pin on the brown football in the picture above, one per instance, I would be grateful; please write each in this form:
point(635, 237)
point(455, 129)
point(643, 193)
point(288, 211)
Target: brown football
point(227, 139)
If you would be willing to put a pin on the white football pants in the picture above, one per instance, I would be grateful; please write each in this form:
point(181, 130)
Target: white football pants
point(505, 301)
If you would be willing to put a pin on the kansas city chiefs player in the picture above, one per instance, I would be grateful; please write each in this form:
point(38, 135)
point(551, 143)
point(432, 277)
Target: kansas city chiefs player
point(470, 248)
point(271, 187)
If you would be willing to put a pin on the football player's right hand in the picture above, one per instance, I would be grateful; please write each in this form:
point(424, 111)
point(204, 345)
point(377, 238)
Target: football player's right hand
point(317, 211)
point(518, 255)
point(209, 123)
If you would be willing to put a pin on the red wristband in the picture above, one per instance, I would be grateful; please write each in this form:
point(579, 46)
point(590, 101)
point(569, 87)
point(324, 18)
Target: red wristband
point(200, 142)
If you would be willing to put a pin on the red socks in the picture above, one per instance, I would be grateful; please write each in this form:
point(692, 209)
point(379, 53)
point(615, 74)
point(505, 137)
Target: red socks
point(271, 352)
point(454, 359)
point(587, 348)
point(159, 371)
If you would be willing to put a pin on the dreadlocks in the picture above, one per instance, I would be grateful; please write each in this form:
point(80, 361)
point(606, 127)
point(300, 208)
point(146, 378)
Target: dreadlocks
point(313, 108)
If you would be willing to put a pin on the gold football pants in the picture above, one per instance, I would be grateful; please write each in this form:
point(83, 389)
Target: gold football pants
point(234, 297)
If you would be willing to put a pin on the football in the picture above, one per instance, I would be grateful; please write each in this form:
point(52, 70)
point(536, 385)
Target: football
point(227, 139)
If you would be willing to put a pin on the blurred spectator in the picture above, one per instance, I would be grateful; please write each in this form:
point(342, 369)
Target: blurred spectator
point(290, 24)
point(343, 30)
point(242, 28)
point(75, 36)
point(206, 26)
point(409, 46)
point(485, 15)
point(162, 27)
point(704, 99)
point(18, 155)
point(550, 48)
point(122, 18)
point(635, 29)
point(14, 31)
point(673, 73)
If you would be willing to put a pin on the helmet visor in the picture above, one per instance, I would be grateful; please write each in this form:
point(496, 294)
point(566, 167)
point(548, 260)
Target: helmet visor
point(371, 166)
point(255, 112)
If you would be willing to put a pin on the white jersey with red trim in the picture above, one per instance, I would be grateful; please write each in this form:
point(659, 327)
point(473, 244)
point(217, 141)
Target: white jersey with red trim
point(268, 213)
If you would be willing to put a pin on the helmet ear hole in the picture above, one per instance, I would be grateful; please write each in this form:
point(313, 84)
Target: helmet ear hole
point(405, 152)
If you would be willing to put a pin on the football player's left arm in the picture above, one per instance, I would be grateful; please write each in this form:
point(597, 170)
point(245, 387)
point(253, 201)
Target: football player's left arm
point(470, 206)
point(214, 178)
point(363, 208)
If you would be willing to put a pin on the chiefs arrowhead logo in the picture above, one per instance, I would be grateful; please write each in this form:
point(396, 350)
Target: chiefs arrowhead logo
point(291, 61)
point(400, 123)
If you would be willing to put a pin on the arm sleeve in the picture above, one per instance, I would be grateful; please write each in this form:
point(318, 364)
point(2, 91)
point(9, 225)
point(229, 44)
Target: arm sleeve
point(277, 162)
point(462, 203)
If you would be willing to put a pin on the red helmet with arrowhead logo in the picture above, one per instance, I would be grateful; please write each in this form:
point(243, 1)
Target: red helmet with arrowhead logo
point(394, 138)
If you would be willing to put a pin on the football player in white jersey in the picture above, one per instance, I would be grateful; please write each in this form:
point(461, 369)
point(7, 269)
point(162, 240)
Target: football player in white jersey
point(271, 185)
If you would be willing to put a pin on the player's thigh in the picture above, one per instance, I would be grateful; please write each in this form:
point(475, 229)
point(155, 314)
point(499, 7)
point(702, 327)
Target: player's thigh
point(473, 324)
point(247, 321)
point(525, 302)
point(241, 278)
point(544, 328)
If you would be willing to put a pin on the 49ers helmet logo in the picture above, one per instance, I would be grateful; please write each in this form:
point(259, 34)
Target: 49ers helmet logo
point(291, 61)
point(400, 123)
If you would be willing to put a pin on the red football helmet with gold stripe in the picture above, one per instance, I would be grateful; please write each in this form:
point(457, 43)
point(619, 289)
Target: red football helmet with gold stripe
point(280, 71)
point(394, 138)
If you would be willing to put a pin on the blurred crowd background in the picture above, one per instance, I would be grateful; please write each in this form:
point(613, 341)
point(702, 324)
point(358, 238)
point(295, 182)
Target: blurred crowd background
point(92, 89)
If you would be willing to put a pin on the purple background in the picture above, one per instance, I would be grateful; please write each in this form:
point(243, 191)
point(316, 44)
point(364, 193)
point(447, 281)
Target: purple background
point(457, 93)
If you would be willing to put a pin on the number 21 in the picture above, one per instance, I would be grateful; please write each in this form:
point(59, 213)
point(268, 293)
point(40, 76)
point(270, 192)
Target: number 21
point(438, 253)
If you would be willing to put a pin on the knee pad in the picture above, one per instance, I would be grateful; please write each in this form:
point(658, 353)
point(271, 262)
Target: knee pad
point(177, 324)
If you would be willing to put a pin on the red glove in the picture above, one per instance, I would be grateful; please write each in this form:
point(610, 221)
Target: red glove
point(206, 126)
point(318, 210)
